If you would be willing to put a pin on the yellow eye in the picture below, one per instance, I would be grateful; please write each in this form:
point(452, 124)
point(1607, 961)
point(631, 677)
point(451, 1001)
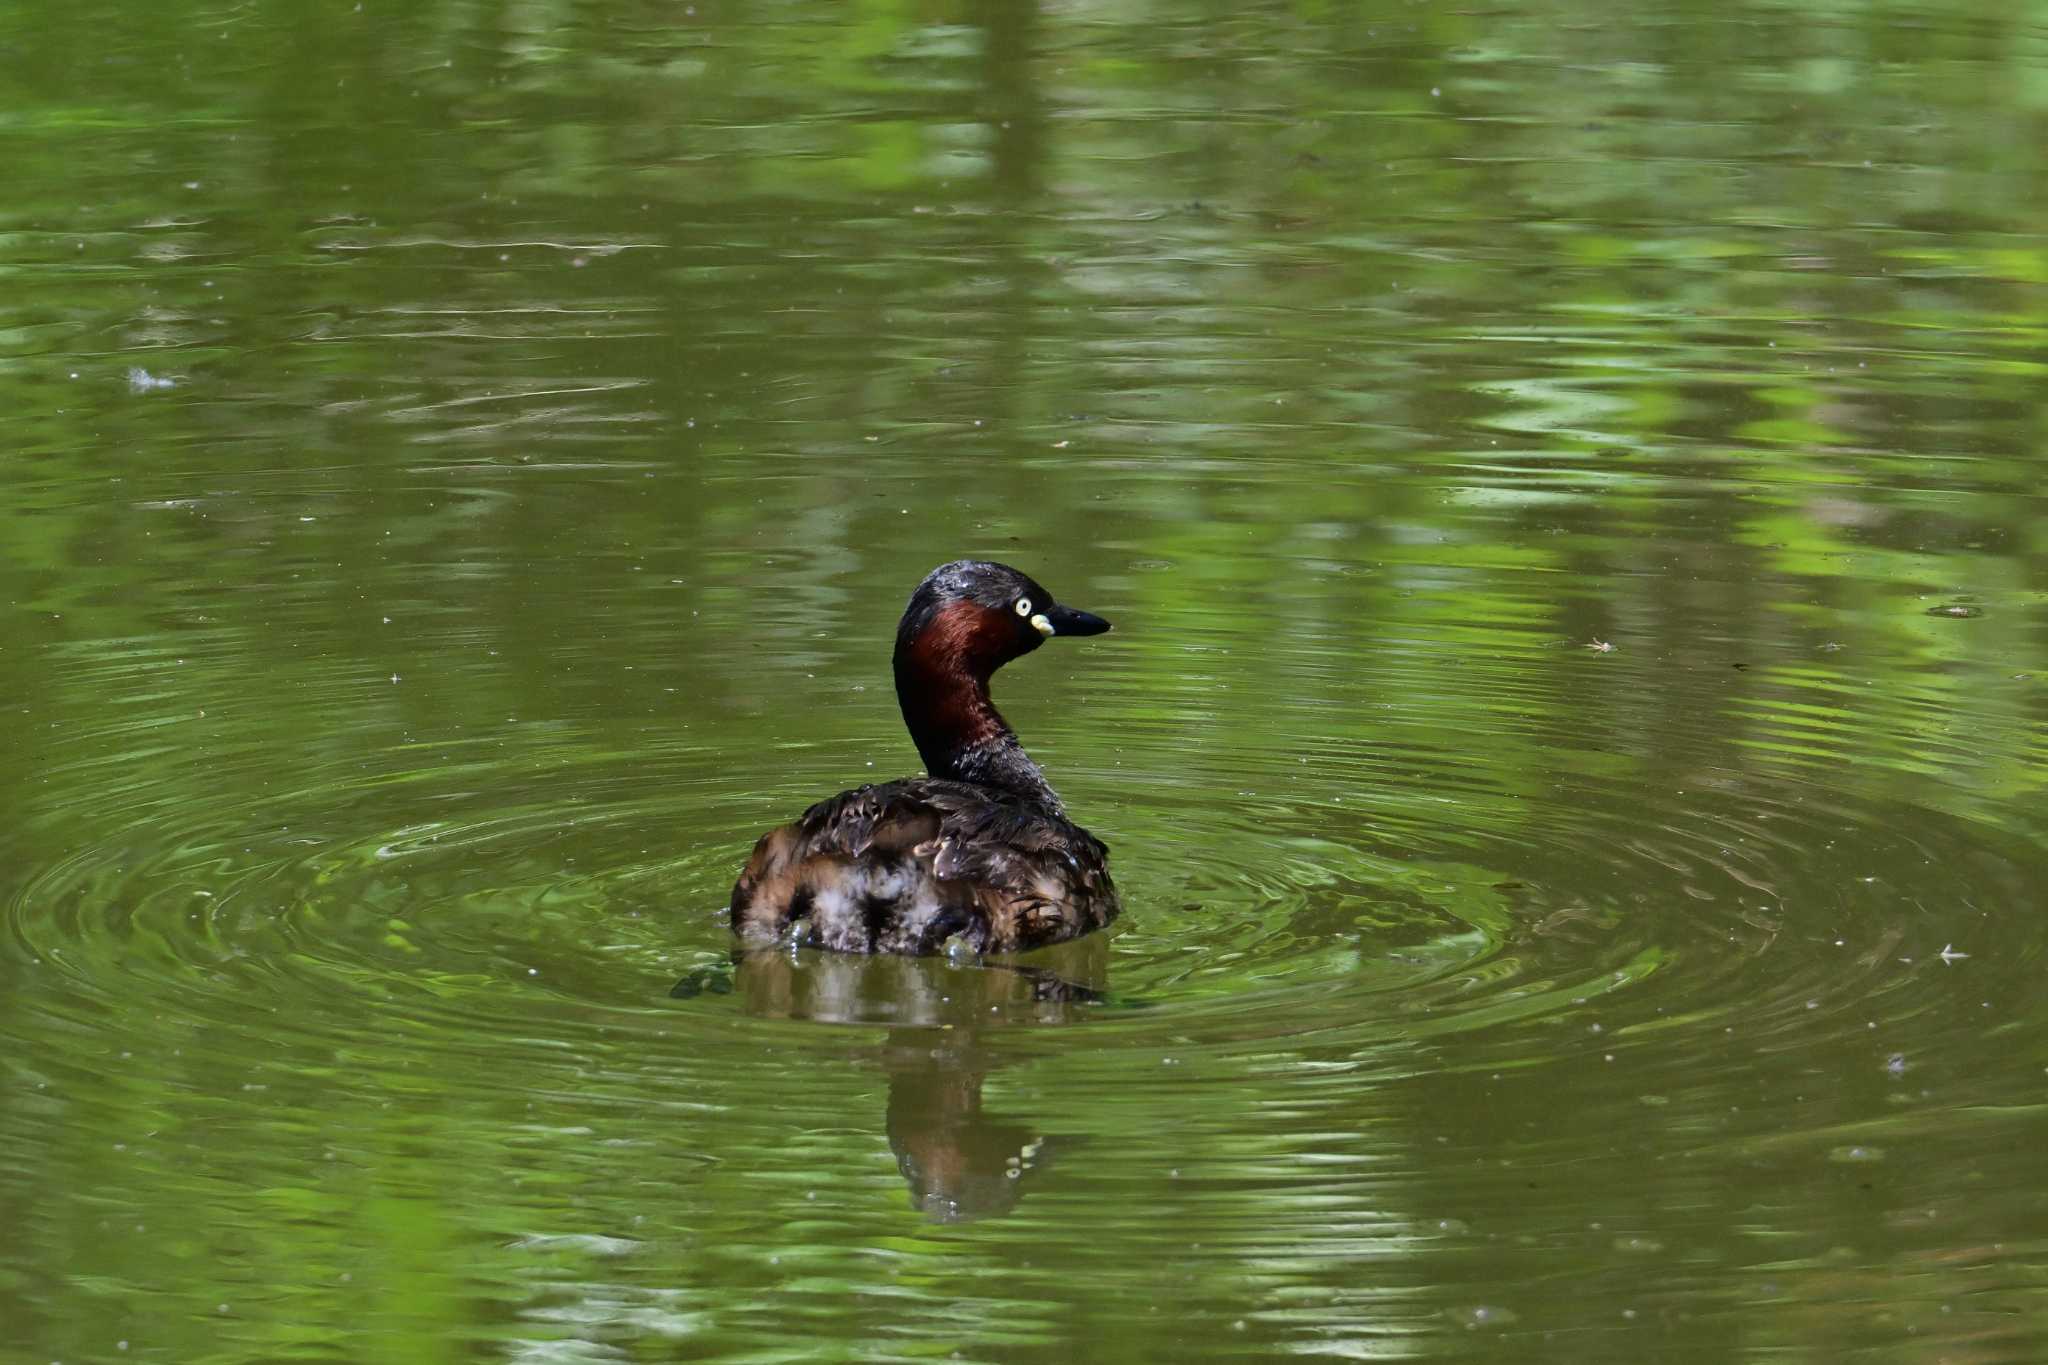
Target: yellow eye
point(1023, 606)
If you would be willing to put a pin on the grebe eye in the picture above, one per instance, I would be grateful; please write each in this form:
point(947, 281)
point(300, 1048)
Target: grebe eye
point(1023, 606)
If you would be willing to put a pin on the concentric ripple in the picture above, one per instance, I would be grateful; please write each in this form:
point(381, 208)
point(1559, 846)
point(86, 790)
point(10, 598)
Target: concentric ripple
point(1356, 879)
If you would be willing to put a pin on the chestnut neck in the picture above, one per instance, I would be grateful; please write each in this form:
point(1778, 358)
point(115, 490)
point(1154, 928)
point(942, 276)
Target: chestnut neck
point(942, 674)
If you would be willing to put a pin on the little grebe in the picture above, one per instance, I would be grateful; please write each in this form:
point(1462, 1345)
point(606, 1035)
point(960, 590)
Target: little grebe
point(982, 848)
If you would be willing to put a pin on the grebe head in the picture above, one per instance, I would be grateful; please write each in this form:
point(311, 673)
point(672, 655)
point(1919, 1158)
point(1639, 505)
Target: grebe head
point(983, 615)
point(966, 620)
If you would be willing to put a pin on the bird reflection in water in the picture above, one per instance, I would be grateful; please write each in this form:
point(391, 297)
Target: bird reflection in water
point(960, 1161)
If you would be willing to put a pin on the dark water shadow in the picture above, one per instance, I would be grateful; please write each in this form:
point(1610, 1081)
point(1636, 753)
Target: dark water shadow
point(960, 1161)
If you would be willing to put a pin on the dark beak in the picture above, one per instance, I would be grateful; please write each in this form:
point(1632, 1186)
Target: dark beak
point(1067, 621)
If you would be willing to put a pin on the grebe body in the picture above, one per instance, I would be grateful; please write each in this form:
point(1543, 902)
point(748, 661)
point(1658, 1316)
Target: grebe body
point(981, 850)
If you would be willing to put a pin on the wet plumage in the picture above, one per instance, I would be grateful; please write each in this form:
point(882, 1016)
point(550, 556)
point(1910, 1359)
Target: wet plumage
point(980, 850)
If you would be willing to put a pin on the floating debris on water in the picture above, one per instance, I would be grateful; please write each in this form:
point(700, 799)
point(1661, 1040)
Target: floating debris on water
point(142, 381)
point(1482, 1315)
point(1957, 609)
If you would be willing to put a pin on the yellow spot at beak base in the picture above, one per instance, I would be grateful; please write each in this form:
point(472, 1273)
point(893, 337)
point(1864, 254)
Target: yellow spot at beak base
point(1041, 624)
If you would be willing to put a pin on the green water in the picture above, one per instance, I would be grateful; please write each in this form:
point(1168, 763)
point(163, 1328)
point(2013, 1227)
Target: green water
point(1568, 484)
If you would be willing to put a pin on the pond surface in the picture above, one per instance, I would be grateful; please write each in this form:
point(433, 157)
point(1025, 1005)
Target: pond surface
point(1569, 487)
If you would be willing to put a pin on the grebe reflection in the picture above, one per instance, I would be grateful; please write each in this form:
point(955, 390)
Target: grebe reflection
point(960, 1161)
